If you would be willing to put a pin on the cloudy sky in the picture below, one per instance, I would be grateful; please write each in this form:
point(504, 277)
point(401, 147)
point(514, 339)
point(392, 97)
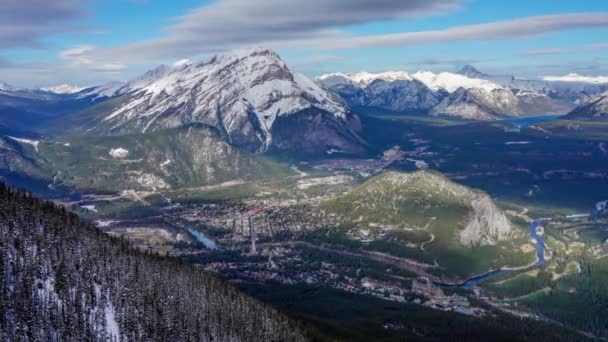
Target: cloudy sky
point(88, 42)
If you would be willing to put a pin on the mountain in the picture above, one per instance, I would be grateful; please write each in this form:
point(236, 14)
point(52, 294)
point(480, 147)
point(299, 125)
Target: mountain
point(5, 87)
point(64, 280)
point(410, 200)
point(463, 95)
point(468, 93)
point(63, 89)
point(569, 88)
point(388, 91)
point(479, 104)
point(594, 109)
point(176, 158)
point(251, 96)
point(472, 72)
point(454, 230)
point(34, 109)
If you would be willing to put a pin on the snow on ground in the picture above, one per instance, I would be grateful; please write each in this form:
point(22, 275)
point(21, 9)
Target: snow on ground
point(112, 328)
point(103, 224)
point(119, 153)
point(27, 141)
point(90, 207)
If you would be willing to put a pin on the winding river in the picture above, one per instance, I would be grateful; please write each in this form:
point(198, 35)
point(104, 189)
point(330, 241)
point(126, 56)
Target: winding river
point(540, 254)
point(202, 238)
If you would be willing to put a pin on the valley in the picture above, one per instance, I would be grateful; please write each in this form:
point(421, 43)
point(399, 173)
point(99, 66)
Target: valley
point(289, 231)
point(420, 195)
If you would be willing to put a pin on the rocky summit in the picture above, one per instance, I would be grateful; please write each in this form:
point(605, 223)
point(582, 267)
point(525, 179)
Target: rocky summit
point(245, 94)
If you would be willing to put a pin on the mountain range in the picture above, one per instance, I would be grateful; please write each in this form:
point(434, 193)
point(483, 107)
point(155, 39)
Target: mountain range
point(468, 93)
point(259, 104)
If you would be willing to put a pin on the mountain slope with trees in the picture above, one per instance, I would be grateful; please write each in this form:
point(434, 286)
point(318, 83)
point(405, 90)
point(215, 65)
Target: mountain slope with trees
point(64, 280)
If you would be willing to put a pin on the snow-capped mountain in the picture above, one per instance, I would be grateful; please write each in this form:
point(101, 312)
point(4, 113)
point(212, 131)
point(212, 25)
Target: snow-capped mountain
point(5, 87)
point(596, 108)
point(447, 81)
point(479, 104)
point(424, 91)
point(63, 89)
point(244, 94)
point(468, 94)
point(572, 87)
point(402, 95)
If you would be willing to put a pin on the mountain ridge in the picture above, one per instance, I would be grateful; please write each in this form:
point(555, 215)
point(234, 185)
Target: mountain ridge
point(242, 93)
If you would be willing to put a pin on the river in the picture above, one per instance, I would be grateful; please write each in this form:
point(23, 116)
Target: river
point(202, 238)
point(530, 120)
point(540, 253)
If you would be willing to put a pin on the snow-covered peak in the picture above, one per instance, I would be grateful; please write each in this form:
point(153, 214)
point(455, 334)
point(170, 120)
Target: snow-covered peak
point(248, 52)
point(5, 87)
point(364, 78)
point(182, 63)
point(64, 89)
point(577, 78)
point(146, 79)
point(451, 82)
point(240, 92)
point(444, 80)
point(472, 72)
point(105, 90)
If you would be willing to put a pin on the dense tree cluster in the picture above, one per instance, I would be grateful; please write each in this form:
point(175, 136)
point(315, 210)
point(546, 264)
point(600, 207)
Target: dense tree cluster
point(61, 279)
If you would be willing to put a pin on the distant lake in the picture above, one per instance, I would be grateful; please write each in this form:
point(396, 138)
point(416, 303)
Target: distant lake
point(530, 120)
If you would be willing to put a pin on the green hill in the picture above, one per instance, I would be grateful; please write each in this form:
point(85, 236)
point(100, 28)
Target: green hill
point(188, 156)
point(426, 216)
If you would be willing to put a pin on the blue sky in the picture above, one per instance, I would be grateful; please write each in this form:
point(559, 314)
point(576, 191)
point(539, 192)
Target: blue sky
point(95, 41)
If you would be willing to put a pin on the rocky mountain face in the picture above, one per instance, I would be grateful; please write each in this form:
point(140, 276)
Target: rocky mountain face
point(594, 109)
point(392, 91)
point(64, 280)
point(244, 94)
point(468, 94)
point(568, 92)
point(479, 104)
point(410, 200)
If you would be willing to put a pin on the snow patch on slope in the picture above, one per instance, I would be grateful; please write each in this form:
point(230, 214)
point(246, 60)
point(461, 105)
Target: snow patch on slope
point(119, 153)
point(34, 143)
point(112, 328)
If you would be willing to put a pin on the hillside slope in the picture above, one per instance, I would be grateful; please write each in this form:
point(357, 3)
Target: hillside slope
point(63, 280)
point(193, 155)
point(456, 231)
point(595, 109)
point(411, 201)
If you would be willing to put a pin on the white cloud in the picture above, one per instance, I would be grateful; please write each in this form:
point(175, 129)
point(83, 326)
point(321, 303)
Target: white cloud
point(545, 52)
point(227, 24)
point(501, 30)
point(24, 22)
point(80, 56)
point(573, 77)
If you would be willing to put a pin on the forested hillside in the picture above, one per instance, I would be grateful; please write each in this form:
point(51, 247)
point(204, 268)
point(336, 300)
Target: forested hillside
point(64, 280)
